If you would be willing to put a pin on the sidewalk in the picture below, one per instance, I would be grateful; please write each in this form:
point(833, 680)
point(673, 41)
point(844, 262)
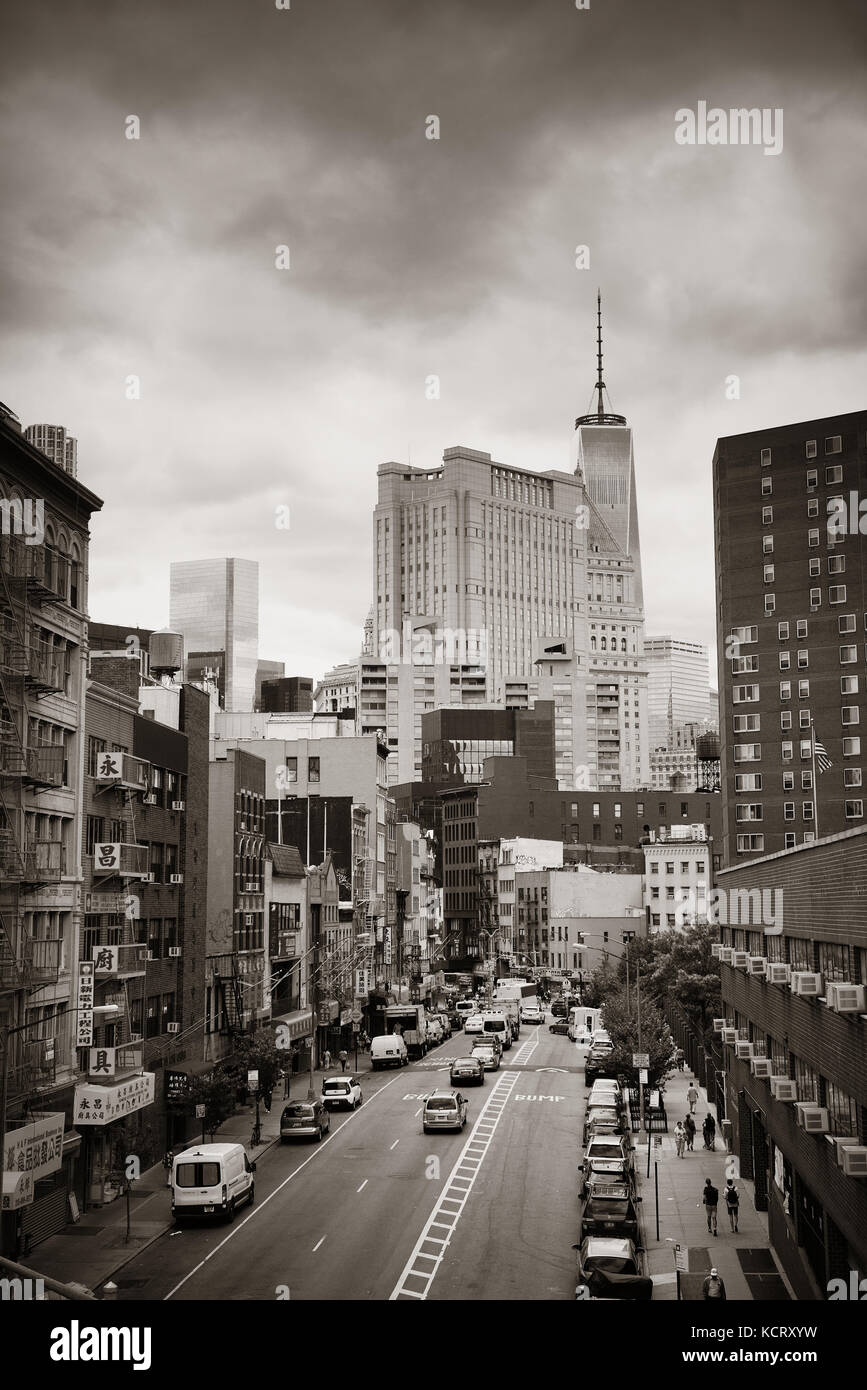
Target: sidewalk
point(744, 1260)
point(94, 1250)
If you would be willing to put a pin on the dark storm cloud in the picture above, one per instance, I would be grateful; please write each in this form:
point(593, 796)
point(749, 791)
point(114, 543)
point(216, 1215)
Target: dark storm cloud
point(410, 257)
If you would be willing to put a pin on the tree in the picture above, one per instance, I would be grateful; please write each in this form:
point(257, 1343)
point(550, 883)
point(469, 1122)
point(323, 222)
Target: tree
point(687, 973)
point(621, 1022)
point(216, 1091)
point(602, 983)
point(256, 1052)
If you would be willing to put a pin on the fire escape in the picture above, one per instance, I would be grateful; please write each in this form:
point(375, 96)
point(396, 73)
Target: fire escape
point(29, 669)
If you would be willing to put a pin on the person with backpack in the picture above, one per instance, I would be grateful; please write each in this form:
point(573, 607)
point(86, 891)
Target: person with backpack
point(713, 1286)
point(710, 1198)
point(689, 1126)
point(732, 1201)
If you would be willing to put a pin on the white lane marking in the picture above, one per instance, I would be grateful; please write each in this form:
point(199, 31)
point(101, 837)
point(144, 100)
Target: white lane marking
point(418, 1112)
point(353, 1115)
point(363, 1185)
point(445, 1203)
point(526, 1050)
point(394, 1145)
point(317, 1245)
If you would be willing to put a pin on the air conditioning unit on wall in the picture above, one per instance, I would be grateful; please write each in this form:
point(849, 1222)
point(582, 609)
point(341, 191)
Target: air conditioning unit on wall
point(806, 982)
point(758, 965)
point(784, 1088)
point(778, 973)
point(846, 998)
point(812, 1118)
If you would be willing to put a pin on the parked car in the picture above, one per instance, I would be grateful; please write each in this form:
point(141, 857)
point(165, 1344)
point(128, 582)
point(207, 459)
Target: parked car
point(602, 1121)
point(465, 1007)
point(474, 1023)
point(211, 1180)
point(611, 1268)
point(559, 1026)
point(560, 1008)
point(388, 1050)
point(607, 1155)
point(444, 1110)
point(609, 1209)
point(598, 1064)
point(340, 1091)
point(467, 1069)
point(532, 1015)
point(605, 1086)
point(456, 1020)
point(488, 1053)
point(304, 1118)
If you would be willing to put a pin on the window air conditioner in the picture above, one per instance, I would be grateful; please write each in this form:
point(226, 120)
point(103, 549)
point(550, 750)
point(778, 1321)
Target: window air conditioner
point(778, 973)
point(741, 960)
point(744, 1050)
point(760, 1066)
point(784, 1088)
point(179, 805)
point(853, 1160)
point(718, 1025)
point(716, 947)
point(807, 982)
point(175, 951)
point(150, 799)
point(173, 1028)
point(758, 965)
point(730, 1036)
point(812, 1118)
point(726, 954)
point(846, 998)
point(176, 878)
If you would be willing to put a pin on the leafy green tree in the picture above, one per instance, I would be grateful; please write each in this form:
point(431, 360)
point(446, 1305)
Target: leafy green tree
point(216, 1091)
point(686, 972)
point(602, 983)
point(256, 1052)
point(621, 1021)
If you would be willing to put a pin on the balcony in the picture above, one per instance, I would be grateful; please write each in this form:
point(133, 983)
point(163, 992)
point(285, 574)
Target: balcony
point(127, 860)
point(46, 574)
point(13, 654)
point(44, 861)
point(46, 669)
point(45, 960)
point(45, 766)
point(120, 962)
point(123, 770)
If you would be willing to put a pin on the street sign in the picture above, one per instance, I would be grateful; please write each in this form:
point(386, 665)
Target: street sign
point(356, 1015)
point(356, 1027)
point(657, 1139)
point(681, 1258)
point(641, 1059)
point(252, 1080)
point(642, 1077)
point(200, 1112)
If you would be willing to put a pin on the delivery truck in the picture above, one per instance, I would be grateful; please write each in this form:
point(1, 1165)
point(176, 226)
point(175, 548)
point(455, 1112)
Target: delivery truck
point(409, 1021)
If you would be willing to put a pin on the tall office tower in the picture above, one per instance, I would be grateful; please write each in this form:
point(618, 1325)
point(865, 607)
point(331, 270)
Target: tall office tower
point(215, 604)
point(616, 706)
point(791, 611)
point(678, 688)
point(266, 671)
point(54, 441)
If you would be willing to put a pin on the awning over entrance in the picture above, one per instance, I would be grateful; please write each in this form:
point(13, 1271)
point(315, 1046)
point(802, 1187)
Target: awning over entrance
point(299, 1023)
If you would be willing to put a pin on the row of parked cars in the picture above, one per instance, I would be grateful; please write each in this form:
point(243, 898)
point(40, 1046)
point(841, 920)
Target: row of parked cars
point(609, 1255)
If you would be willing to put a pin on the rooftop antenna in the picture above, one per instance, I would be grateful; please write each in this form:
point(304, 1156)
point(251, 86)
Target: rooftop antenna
point(600, 384)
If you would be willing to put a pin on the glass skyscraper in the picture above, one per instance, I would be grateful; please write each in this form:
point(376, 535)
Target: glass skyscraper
point(215, 604)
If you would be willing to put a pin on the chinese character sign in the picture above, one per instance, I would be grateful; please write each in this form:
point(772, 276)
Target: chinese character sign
point(109, 767)
point(84, 1014)
point(35, 1148)
point(105, 959)
point(100, 1105)
point(102, 1060)
point(106, 858)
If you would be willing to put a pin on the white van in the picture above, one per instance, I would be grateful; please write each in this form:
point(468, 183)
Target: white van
point(389, 1050)
point(212, 1179)
point(498, 1026)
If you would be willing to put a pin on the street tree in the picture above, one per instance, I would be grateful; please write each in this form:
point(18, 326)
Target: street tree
point(621, 1021)
point(216, 1091)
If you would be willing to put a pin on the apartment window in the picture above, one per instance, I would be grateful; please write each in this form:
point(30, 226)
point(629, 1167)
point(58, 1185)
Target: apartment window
point(770, 604)
point(854, 810)
point(654, 867)
point(803, 659)
point(745, 694)
point(748, 811)
point(768, 574)
point(745, 635)
point(785, 661)
point(815, 598)
point(745, 665)
point(812, 506)
point(806, 746)
point(766, 458)
point(790, 840)
point(748, 781)
point(783, 632)
point(785, 751)
point(815, 569)
point(850, 714)
point(803, 690)
point(804, 720)
point(806, 1080)
point(846, 622)
point(750, 844)
point(291, 769)
point(654, 893)
point(618, 811)
point(812, 478)
point(851, 747)
point(836, 593)
point(767, 486)
point(596, 809)
point(788, 810)
point(811, 448)
point(848, 685)
point(833, 444)
point(806, 781)
point(152, 1020)
point(747, 752)
point(848, 655)
point(801, 628)
point(767, 516)
point(788, 781)
point(813, 536)
point(746, 724)
point(851, 777)
point(836, 564)
point(312, 769)
point(94, 834)
point(786, 719)
point(842, 1110)
point(156, 862)
point(669, 866)
point(95, 746)
point(834, 473)
point(767, 545)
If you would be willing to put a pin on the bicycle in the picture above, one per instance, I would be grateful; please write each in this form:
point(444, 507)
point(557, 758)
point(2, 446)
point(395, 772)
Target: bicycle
point(256, 1137)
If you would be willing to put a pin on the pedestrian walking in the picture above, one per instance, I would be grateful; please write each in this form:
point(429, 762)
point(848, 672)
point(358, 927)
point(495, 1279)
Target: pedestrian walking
point(710, 1198)
point(693, 1098)
point(679, 1138)
point(713, 1286)
point(678, 1059)
point(689, 1126)
point(732, 1201)
point(708, 1129)
point(326, 1060)
point(342, 1058)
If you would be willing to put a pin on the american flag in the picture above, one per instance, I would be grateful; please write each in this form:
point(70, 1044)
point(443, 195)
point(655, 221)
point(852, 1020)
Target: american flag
point(824, 762)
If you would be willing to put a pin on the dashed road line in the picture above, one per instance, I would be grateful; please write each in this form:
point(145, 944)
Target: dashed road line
point(394, 1145)
point(416, 1282)
point(363, 1185)
point(318, 1243)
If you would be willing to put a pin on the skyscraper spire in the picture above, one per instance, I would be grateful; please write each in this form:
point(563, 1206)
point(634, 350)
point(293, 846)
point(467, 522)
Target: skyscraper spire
point(600, 384)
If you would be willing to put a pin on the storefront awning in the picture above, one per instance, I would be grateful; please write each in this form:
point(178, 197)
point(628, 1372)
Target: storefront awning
point(299, 1023)
point(102, 1105)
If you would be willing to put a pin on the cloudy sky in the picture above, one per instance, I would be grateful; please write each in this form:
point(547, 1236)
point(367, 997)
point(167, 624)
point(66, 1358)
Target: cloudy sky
point(305, 127)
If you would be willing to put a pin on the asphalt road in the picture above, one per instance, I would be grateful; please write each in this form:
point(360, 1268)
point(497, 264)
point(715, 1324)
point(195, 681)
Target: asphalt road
point(379, 1210)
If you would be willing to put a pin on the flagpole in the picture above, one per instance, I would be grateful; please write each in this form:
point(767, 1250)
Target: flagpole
point(815, 782)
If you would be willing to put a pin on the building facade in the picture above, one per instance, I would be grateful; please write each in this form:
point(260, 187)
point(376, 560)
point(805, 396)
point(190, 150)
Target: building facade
point(678, 688)
point(215, 604)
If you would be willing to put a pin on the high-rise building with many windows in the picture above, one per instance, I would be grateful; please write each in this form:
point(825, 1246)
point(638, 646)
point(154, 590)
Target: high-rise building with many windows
point(215, 604)
point(792, 618)
point(678, 688)
point(57, 444)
